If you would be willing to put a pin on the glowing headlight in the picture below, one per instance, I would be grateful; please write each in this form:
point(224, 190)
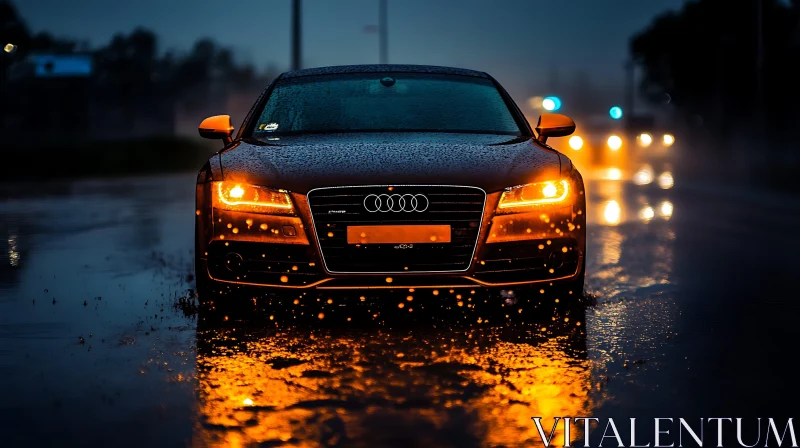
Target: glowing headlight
point(668, 139)
point(575, 142)
point(614, 142)
point(250, 198)
point(645, 140)
point(525, 197)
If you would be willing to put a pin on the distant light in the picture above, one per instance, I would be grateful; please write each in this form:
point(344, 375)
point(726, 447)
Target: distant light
point(647, 213)
point(645, 140)
point(614, 174)
point(614, 142)
point(575, 142)
point(666, 209)
point(535, 102)
point(669, 139)
point(644, 176)
point(10, 48)
point(665, 181)
point(551, 103)
point(612, 212)
point(615, 112)
point(55, 65)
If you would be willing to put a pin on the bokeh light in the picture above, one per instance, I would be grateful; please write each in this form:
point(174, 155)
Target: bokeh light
point(665, 180)
point(669, 139)
point(647, 213)
point(612, 212)
point(551, 103)
point(614, 142)
point(615, 112)
point(535, 102)
point(645, 140)
point(614, 173)
point(575, 142)
point(644, 176)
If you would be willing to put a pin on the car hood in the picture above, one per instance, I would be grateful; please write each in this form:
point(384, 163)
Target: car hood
point(302, 163)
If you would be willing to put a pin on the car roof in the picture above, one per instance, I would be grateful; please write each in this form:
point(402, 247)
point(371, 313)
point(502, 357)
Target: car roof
point(380, 68)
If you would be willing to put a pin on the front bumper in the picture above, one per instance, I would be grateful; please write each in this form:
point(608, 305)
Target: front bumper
point(283, 252)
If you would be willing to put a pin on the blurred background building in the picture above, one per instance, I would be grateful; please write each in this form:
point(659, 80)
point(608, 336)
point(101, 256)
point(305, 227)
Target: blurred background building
point(721, 75)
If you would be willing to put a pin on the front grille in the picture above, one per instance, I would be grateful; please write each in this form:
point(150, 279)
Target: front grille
point(334, 209)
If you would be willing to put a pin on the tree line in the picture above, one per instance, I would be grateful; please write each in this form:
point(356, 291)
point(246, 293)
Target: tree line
point(727, 68)
point(131, 70)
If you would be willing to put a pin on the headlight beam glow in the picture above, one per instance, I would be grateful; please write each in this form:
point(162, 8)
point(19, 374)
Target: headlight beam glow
point(251, 198)
point(540, 193)
point(237, 192)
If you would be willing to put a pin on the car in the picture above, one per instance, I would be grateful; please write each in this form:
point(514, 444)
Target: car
point(388, 177)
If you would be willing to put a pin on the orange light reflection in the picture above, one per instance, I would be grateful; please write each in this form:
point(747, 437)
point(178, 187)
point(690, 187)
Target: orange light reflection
point(283, 387)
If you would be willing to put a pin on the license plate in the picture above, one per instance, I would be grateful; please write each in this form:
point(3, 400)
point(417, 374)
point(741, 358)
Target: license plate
point(409, 234)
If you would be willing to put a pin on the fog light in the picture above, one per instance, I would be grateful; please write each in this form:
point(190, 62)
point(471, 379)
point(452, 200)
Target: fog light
point(555, 260)
point(234, 262)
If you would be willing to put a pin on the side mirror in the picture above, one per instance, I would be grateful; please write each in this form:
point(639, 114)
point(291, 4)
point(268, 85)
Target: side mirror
point(217, 127)
point(554, 125)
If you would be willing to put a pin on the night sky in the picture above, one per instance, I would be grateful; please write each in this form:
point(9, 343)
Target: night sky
point(525, 44)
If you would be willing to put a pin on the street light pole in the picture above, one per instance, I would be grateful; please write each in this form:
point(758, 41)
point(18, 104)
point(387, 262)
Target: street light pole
point(296, 44)
point(382, 29)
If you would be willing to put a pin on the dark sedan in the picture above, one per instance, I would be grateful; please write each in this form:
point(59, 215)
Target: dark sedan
point(388, 176)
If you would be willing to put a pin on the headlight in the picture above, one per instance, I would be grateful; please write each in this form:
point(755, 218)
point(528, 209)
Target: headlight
point(527, 197)
point(669, 139)
point(250, 198)
point(645, 140)
point(614, 142)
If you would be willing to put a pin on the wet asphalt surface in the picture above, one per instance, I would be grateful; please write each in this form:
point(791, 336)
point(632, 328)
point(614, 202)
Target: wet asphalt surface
point(695, 315)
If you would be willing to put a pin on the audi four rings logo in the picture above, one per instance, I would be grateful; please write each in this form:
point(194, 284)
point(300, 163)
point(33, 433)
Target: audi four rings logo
point(396, 203)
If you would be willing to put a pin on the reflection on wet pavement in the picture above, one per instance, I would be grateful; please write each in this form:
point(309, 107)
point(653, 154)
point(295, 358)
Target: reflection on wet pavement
point(99, 338)
point(394, 388)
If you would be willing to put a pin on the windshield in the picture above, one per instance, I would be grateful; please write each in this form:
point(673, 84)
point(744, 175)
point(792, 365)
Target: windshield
point(385, 102)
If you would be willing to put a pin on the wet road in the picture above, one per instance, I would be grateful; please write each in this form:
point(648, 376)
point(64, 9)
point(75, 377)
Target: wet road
point(696, 316)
